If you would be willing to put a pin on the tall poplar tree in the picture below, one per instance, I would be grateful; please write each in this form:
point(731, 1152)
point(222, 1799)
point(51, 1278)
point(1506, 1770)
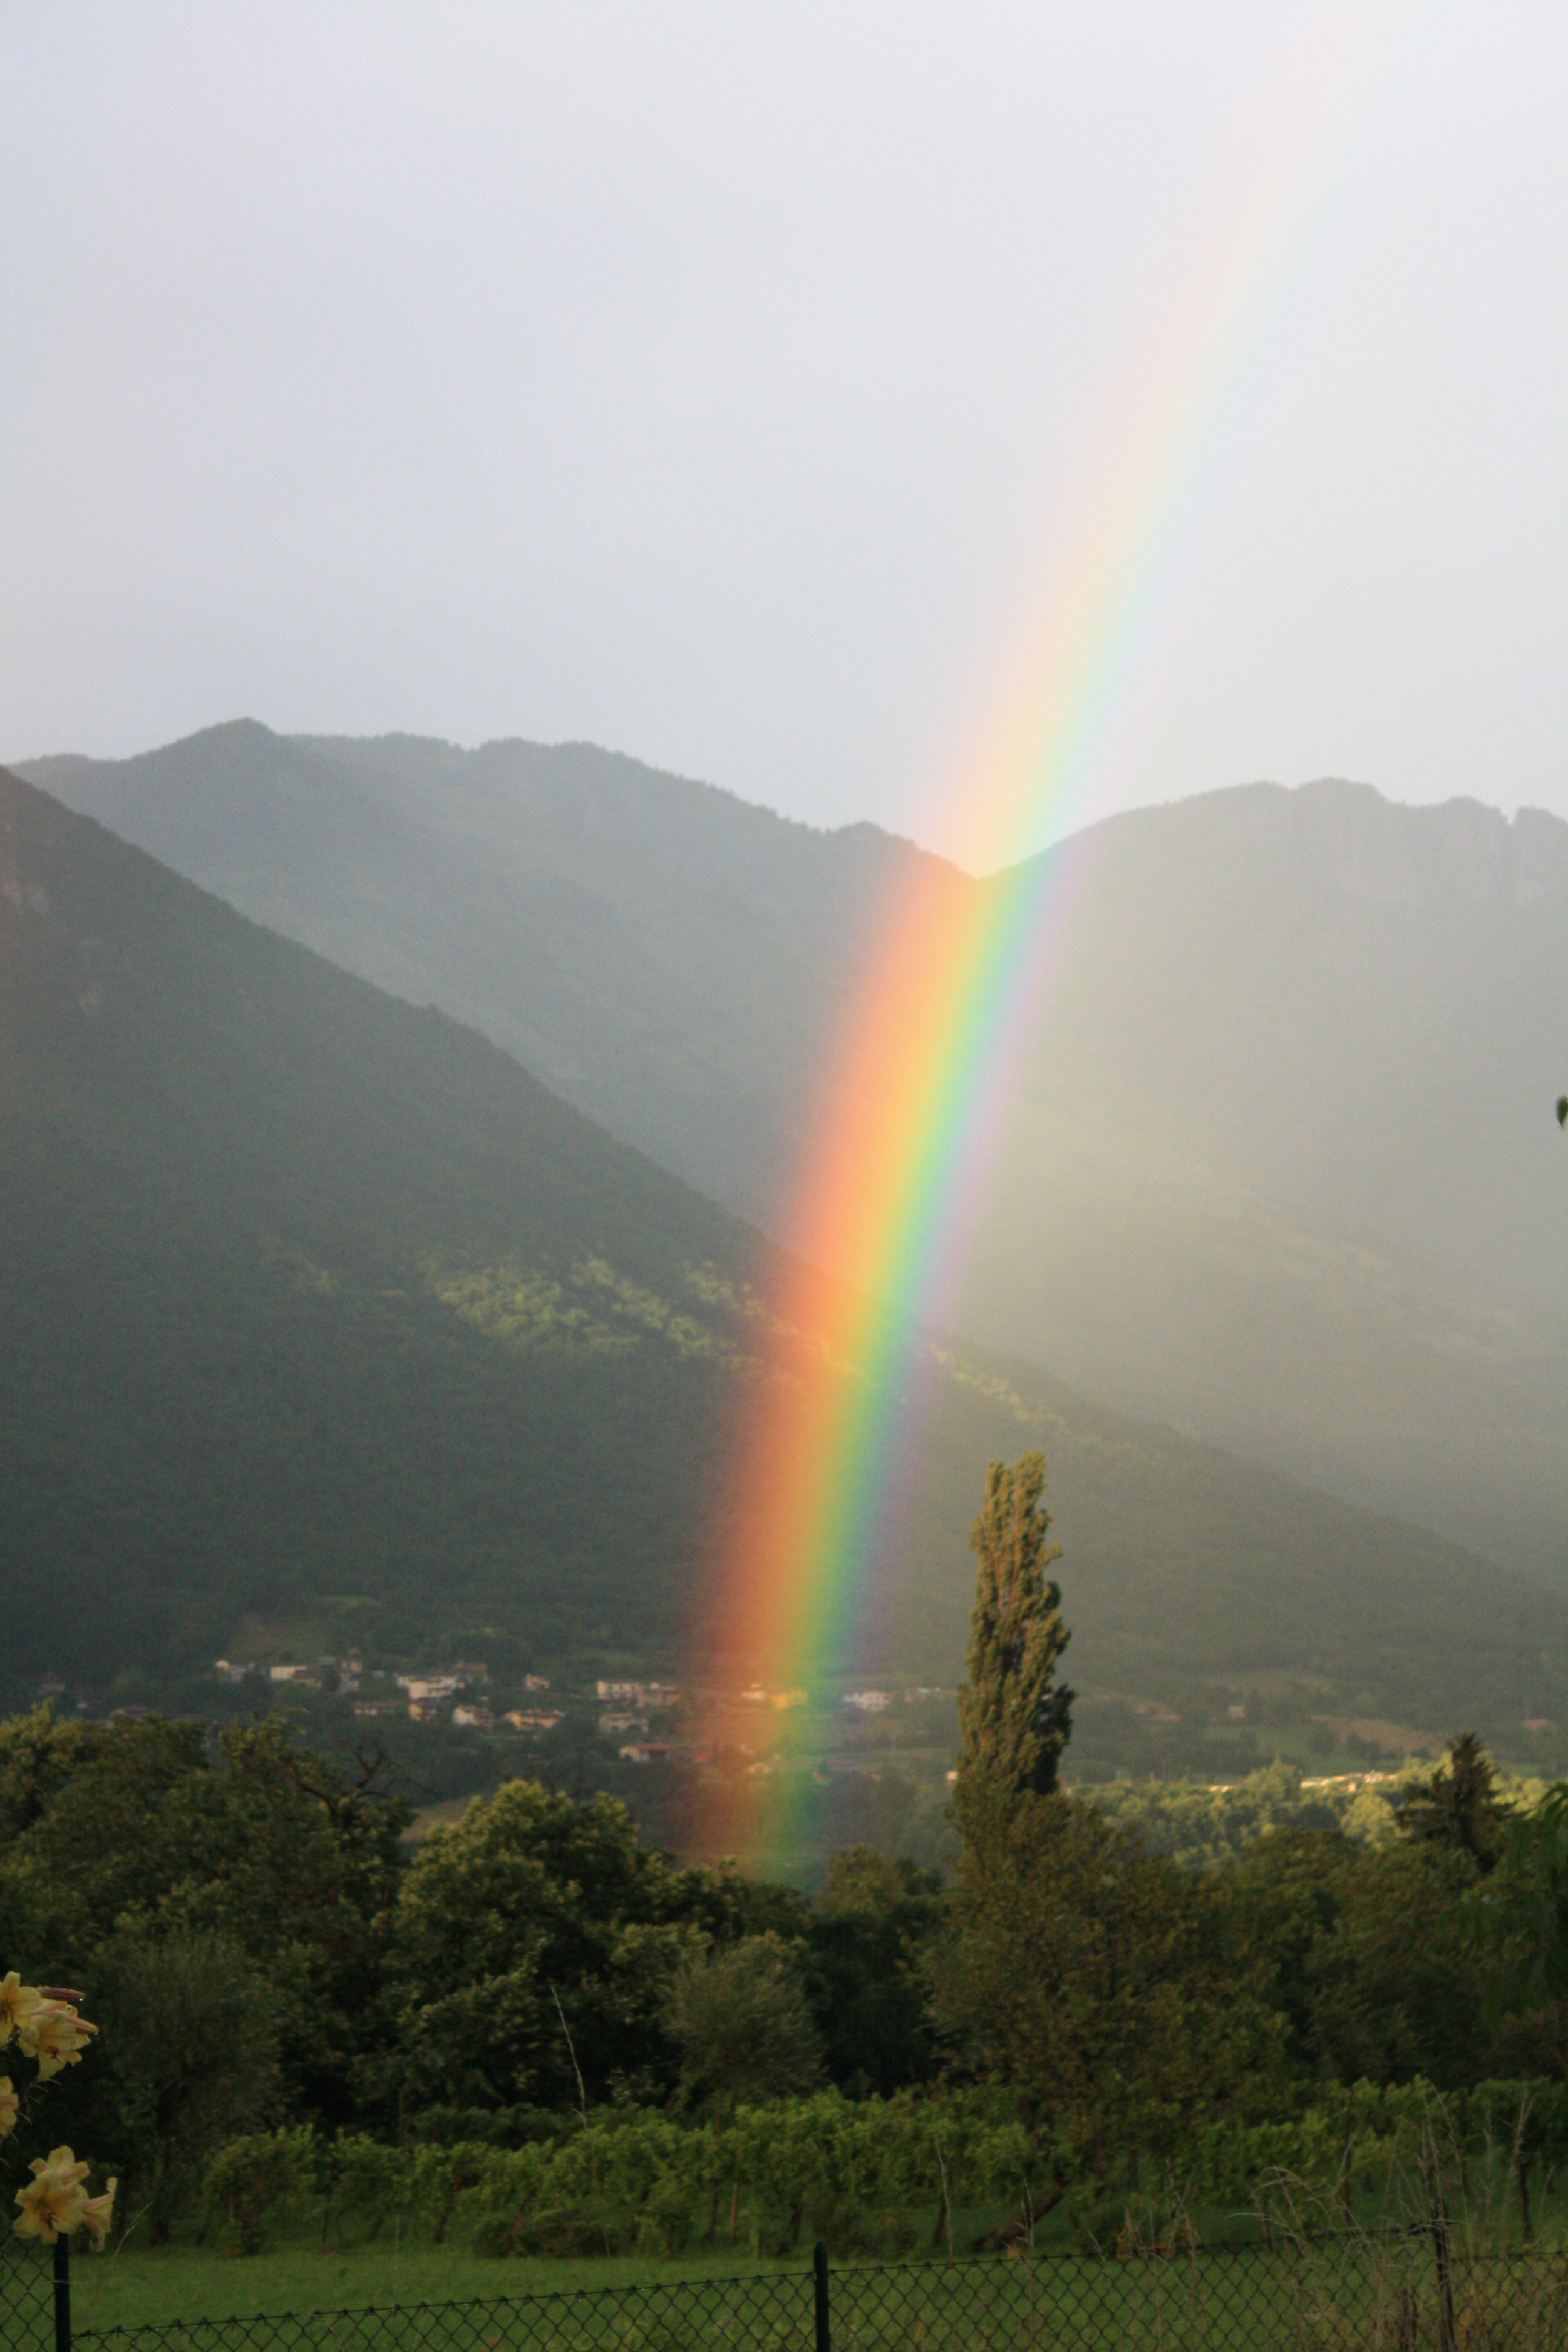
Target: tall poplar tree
point(1014, 1720)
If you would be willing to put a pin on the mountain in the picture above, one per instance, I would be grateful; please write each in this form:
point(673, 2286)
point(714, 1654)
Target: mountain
point(1280, 1167)
point(322, 1314)
point(665, 956)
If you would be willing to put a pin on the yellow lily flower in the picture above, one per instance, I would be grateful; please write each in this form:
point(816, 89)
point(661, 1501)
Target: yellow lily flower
point(56, 2037)
point(54, 2202)
point(17, 2004)
point(9, 2102)
point(96, 2213)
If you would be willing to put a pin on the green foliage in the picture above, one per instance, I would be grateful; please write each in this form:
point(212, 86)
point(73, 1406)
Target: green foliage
point(110, 1835)
point(1014, 1721)
point(647, 2175)
point(536, 1942)
point(38, 1754)
point(1360, 1959)
point(1203, 1827)
point(739, 2014)
point(1458, 1806)
point(251, 2176)
point(1105, 1986)
point(863, 2173)
point(230, 1914)
point(529, 2007)
point(190, 2043)
point(864, 1943)
point(1519, 1914)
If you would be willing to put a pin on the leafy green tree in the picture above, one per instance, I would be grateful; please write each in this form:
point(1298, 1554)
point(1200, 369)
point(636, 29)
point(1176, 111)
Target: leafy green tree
point(1361, 1956)
point(739, 2015)
point(275, 1850)
point(1013, 1719)
point(38, 1753)
point(1518, 1917)
point(94, 1834)
point(190, 2057)
point(866, 1943)
point(269, 1849)
point(536, 1941)
point(1459, 1807)
point(1102, 1984)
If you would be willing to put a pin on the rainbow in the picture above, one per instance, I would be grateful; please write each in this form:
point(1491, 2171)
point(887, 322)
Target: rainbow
point(895, 1172)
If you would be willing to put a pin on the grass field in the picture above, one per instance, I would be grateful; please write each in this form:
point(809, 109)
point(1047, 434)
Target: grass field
point(1247, 2300)
point(174, 2283)
point(193, 2279)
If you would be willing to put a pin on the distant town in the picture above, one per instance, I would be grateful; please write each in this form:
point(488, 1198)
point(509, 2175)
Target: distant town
point(460, 1694)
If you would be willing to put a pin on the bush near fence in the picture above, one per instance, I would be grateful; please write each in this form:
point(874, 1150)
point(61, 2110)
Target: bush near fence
point(857, 2173)
point(811, 2166)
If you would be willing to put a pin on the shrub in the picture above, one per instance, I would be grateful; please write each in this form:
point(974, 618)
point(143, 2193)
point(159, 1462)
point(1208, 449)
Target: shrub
point(252, 2177)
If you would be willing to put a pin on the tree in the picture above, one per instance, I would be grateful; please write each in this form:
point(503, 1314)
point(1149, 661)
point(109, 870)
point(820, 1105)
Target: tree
point(1012, 1719)
point(38, 1754)
point(1459, 1807)
point(739, 2015)
point(536, 1942)
point(1522, 1911)
point(1362, 1959)
point(872, 1921)
point(267, 1848)
point(1101, 1984)
point(192, 2050)
point(510, 1941)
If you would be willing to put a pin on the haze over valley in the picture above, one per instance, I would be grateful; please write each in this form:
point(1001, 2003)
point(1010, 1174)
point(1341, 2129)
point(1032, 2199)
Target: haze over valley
point(1278, 1168)
point(332, 1322)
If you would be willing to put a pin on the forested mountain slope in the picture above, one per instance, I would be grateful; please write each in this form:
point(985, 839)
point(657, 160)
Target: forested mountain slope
point(1280, 1168)
point(314, 1302)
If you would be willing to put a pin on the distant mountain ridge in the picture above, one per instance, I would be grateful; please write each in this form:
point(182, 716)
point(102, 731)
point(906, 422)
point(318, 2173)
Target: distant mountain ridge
point(319, 1309)
point(662, 952)
point(1280, 1167)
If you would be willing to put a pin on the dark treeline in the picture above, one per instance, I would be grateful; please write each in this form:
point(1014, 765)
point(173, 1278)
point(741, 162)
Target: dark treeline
point(262, 1951)
point(260, 1948)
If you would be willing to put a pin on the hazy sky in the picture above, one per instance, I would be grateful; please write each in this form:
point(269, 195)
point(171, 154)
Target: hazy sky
point(930, 413)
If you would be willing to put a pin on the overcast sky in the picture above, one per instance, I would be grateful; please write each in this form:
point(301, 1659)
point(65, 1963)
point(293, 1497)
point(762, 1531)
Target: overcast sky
point(778, 392)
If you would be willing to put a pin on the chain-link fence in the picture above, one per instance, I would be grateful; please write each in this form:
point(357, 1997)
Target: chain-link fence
point(1411, 2293)
point(27, 2300)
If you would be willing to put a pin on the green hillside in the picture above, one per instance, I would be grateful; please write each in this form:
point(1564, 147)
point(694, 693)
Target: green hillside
point(1280, 1165)
point(321, 1312)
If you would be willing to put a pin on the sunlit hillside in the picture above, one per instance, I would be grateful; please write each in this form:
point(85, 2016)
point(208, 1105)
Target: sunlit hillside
point(320, 1311)
point(1281, 1166)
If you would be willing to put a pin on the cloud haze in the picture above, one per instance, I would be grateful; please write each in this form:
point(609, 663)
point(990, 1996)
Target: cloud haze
point(731, 387)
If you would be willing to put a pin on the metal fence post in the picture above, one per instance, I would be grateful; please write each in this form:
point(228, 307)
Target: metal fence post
point(819, 2278)
point(62, 2295)
point(1447, 2338)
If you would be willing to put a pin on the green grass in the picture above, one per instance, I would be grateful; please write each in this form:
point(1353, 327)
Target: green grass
point(190, 2278)
point(1240, 2302)
point(154, 2287)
